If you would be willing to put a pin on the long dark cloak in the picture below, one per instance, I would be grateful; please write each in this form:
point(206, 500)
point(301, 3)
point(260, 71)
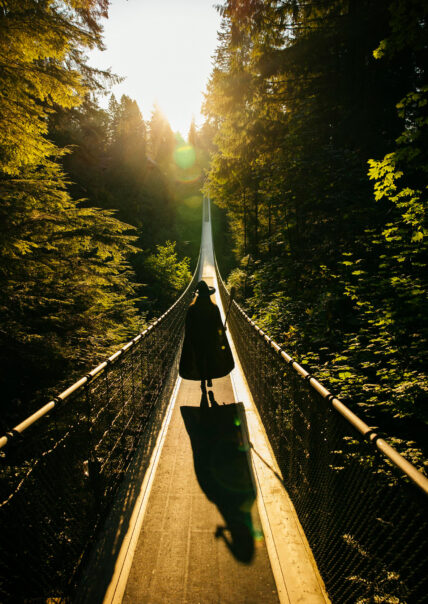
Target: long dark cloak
point(206, 352)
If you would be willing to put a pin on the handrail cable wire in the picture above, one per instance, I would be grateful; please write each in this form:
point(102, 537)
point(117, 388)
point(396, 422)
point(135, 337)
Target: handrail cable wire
point(61, 467)
point(392, 454)
point(362, 506)
point(31, 419)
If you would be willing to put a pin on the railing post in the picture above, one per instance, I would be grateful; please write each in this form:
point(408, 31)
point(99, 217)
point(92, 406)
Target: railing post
point(92, 466)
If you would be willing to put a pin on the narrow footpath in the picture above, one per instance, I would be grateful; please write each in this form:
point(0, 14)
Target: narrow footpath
point(201, 538)
point(199, 535)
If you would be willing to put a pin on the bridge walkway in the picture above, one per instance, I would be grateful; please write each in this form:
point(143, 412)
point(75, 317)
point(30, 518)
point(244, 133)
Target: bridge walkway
point(197, 536)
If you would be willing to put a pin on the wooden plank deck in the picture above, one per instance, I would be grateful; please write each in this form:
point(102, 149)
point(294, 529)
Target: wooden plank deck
point(201, 539)
point(213, 486)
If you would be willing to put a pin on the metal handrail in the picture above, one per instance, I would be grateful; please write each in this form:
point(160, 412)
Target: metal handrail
point(387, 450)
point(30, 420)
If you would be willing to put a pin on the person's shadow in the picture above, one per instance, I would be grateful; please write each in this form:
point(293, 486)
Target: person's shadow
point(221, 465)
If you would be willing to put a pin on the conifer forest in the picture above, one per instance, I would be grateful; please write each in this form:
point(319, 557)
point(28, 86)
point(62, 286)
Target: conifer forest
point(314, 152)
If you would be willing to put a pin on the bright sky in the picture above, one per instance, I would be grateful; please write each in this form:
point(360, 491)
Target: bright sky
point(164, 49)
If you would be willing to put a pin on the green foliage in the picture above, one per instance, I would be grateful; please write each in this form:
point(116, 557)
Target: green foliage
point(136, 185)
point(400, 177)
point(169, 274)
point(67, 293)
point(188, 216)
point(42, 67)
point(83, 205)
point(191, 161)
point(109, 165)
point(161, 139)
point(59, 262)
point(298, 104)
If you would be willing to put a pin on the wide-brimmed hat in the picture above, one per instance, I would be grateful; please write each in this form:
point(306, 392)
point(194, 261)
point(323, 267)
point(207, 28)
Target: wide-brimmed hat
point(202, 289)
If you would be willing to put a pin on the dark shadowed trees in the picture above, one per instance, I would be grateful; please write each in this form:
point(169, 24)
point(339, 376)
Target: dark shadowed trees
point(302, 96)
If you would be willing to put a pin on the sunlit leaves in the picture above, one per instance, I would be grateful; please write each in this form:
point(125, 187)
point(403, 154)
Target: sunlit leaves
point(66, 292)
point(338, 266)
point(40, 46)
point(169, 273)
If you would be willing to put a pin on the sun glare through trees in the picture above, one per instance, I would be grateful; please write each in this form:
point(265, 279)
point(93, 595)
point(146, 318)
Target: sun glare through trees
point(311, 142)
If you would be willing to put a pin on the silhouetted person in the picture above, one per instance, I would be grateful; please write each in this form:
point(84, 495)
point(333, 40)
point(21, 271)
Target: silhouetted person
point(206, 354)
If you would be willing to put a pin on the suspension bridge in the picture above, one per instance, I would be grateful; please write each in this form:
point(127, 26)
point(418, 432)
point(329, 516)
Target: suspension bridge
point(131, 487)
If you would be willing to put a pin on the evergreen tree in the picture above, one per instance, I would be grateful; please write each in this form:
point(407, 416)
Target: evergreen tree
point(161, 139)
point(128, 136)
point(108, 164)
point(42, 66)
point(138, 186)
point(66, 295)
point(168, 274)
point(192, 137)
point(84, 131)
point(299, 104)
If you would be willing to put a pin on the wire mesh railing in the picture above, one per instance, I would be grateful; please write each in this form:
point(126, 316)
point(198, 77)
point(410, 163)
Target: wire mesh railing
point(60, 468)
point(362, 506)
